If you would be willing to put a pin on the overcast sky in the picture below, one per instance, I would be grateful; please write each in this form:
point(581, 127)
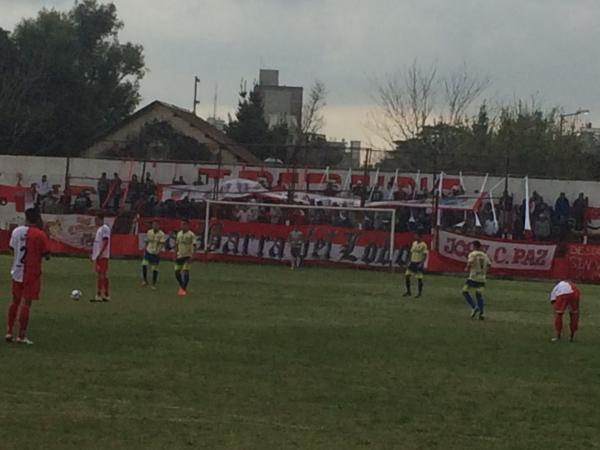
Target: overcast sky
point(541, 48)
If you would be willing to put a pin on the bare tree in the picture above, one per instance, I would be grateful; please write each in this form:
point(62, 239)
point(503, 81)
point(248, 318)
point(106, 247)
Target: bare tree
point(461, 89)
point(407, 101)
point(312, 111)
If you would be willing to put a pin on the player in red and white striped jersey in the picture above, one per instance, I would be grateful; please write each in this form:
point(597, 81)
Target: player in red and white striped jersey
point(100, 257)
point(29, 245)
point(565, 296)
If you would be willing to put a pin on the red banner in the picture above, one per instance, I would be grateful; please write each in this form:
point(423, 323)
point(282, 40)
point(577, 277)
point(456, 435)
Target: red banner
point(592, 213)
point(584, 262)
point(167, 224)
point(322, 243)
point(10, 193)
point(259, 242)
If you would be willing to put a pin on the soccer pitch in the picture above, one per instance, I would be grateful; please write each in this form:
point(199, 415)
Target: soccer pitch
point(261, 357)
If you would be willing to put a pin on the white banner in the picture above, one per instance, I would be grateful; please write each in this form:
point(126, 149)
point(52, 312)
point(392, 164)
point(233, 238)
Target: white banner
point(73, 230)
point(504, 255)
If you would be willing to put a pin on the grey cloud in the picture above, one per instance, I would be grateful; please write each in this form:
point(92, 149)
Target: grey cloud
point(541, 47)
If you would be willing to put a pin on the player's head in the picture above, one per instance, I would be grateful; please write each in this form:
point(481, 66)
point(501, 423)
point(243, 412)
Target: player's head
point(99, 219)
point(32, 217)
point(155, 225)
point(476, 245)
point(185, 225)
point(418, 236)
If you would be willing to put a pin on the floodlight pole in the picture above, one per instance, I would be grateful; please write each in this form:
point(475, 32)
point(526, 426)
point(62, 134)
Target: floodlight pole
point(196, 101)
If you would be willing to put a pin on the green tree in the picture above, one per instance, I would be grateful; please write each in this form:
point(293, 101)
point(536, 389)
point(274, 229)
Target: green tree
point(524, 139)
point(250, 129)
point(79, 79)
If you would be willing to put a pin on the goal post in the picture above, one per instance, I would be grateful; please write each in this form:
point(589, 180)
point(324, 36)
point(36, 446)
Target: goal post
point(337, 234)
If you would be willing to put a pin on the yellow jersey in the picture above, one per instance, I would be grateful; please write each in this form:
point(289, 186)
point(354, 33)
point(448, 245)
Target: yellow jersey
point(155, 241)
point(478, 264)
point(418, 252)
point(185, 244)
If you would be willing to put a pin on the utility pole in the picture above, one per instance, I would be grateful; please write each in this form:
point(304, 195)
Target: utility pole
point(363, 192)
point(436, 143)
point(215, 101)
point(196, 101)
point(218, 177)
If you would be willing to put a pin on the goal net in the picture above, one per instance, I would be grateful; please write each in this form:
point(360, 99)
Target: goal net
point(331, 235)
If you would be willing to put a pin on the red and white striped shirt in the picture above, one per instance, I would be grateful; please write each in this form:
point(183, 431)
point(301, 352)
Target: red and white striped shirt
point(562, 288)
point(29, 245)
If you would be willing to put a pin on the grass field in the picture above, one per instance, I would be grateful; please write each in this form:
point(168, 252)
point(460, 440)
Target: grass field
point(260, 357)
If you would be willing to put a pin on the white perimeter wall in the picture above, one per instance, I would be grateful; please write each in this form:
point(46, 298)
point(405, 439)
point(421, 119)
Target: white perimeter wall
point(87, 171)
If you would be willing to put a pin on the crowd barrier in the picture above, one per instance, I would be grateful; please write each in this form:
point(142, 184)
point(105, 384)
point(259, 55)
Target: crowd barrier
point(336, 246)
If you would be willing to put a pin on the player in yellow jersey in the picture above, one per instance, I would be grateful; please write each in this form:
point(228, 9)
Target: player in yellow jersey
point(154, 243)
point(478, 264)
point(185, 245)
point(416, 265)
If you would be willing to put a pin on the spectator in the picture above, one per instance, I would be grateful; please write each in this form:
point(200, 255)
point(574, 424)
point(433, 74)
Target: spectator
point(390, 191)
point(562, 206)
point(342, 220)
point(42, 189)
point(376, 194)
point(543, 227)
point(275, 215)
point(103, 186)
point(579, 206)
point(297, 216)
point(149, 186)
point(116, 191)
point(253, 211)
point(330, 189)
point(180, 181)
point(506, 214)
point(82, 202)
point(199, 181)
point(518, 218)
point(134, 191)
point(490, 227)
point(243, 215)
point(562, 209)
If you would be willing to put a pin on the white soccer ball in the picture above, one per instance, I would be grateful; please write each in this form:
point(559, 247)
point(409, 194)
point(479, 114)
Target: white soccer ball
point(76, 294)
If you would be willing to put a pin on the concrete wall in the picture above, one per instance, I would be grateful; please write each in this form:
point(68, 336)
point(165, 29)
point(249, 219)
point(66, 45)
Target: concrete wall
point(87, 171)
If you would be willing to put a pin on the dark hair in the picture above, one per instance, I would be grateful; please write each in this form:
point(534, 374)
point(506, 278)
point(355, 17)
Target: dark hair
point(100, 216)
point(32, 216)
point(185, 221)
point(477, 245)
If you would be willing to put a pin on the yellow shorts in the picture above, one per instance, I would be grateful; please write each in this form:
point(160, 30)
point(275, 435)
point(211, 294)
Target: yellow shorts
point(478, 286)
point(183, 264)
point(414, 269)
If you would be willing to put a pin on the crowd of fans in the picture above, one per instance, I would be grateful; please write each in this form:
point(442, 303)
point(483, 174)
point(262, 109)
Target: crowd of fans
point(505, 218)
